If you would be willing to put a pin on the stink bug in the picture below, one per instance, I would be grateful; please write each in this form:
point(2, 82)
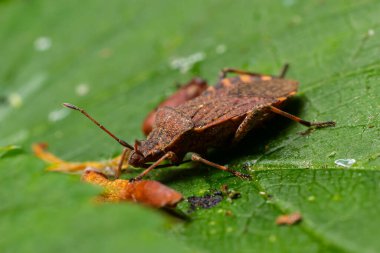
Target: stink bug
point(221, 116)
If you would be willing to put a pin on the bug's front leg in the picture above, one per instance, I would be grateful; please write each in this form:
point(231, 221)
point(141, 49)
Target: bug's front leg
point(196, 157)
point(170, 155)
point(122, 158)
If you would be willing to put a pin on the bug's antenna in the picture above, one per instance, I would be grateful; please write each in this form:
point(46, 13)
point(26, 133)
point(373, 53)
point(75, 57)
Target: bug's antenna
point(73, 107)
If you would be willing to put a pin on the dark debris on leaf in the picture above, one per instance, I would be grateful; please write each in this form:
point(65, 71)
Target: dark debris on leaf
point(210, 200)
point(205, 202)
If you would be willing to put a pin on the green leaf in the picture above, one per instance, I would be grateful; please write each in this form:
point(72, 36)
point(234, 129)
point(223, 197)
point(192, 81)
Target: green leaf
point(117, 60)
point(48, 212)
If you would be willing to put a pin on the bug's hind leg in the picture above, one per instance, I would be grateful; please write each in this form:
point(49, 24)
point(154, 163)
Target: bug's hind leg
point(198, 158)
point(301, 121)
point(223, 73)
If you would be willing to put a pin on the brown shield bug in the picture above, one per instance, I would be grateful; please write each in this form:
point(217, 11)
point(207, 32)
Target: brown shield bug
point(221, 116)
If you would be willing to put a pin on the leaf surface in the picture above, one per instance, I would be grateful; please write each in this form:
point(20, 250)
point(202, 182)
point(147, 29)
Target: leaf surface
point(119, 59)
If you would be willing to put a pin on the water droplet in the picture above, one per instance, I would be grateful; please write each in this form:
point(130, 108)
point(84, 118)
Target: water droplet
point(347, 163)
point(42, 43)
point(371, 32)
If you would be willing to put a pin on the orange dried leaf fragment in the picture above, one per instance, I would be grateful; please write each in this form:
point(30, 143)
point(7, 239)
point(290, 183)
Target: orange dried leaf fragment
point(148, 192)
point(57, 164)
point(289, 219)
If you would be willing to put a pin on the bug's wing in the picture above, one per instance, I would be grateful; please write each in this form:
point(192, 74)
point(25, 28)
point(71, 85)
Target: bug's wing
point(218, 105)
point(214, 109)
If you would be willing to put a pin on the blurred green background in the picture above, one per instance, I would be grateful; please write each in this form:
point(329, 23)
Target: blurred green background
point(118, 59)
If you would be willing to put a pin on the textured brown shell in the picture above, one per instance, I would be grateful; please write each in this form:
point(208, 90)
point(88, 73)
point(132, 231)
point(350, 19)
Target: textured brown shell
point(187, 92)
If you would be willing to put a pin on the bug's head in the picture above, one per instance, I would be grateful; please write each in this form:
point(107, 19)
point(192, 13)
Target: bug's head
point(137, 157)
point(144, 153)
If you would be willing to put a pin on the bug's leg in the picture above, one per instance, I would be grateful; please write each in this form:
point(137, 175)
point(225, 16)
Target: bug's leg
point(248, 123)
point(198, 158)
point(223, 73)
point(284, 70)
point(301, 121)
point(126, 151)
point(169, 155)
